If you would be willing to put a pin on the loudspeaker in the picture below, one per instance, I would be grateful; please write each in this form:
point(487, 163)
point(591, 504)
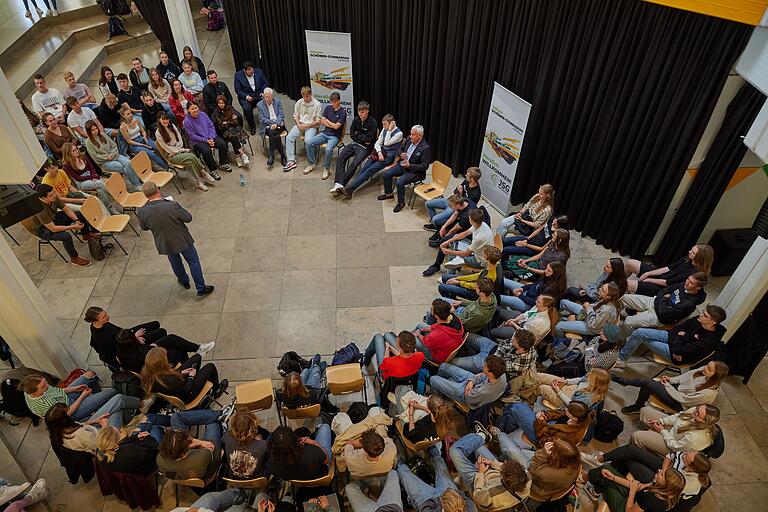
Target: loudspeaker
point(730, 246)
point(17, 202)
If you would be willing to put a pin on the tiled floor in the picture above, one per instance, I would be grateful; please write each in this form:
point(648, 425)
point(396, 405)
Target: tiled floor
point(296, 270)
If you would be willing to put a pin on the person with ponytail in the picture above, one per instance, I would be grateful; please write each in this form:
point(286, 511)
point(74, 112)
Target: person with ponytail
point(539, 320)
point(693, 429)
point(621, 494)
point(441, 421)
point(66, 432)
point(533, 267)
point(533, 215)
point(590, 318)
point(650, 279)
point(523, 296)
point(536, 241)
point(127, 451)
point(613, 272)
point(692, 388)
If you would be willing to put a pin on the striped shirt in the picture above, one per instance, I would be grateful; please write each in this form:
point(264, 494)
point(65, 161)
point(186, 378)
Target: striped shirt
point(41, 404)
point(692, 484)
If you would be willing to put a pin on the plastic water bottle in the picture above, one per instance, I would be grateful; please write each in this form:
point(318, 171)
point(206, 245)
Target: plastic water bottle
point(242, 179)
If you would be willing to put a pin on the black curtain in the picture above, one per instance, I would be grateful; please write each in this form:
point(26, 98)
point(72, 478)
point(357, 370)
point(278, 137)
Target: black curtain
point(154, 13)
point(712, 178)
point(621, 90)
point(243, 34)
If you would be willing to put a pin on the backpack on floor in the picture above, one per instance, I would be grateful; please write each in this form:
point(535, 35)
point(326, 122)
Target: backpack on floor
point(291, 362)
point(13, 403)
point(608, 426)
point(345, 355)
point(116, 27)
point(115, 7)
point(215, 20)
point(96, 249)
point(127, 384)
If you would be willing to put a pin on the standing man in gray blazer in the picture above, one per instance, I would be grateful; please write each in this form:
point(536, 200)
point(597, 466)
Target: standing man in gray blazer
point(167, 220)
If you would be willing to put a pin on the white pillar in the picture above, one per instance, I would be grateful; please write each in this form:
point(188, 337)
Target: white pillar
point(182, 26)
point(21, 153)
point(746, 287)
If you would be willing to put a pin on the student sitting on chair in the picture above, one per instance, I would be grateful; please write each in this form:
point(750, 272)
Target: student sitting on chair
point(439, 340)
point(521, 297)
point(474, 314)
point(305, 389)
point(470, 389)
point(294, 458)
point(184, 383)
point(692, 429)
point(396, 356)
point(370, 454)
point(440, 421)
point(464, 254)
point(457, 222)
point(534, 213)
point(650, 279)
point(454, 287)
point(590, 318)
point(182, 456)
point(245, 445)
point(688, 342)
point(621, 494)
point(598, 352)
point(613, 272)
point(554, 469)
point(535, 242)
point(469, 188)
point(389, 499)
point(589, 389)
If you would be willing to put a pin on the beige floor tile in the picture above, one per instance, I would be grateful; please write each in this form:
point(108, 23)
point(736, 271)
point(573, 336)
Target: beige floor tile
point(260, 253)
point(406, 220)
point(264, 193)
point(246, 335)
point(145, 261)
point(253, 291)
point(581, 271)
point(359, 217)
point(216, 254)
point(359, 287)
point(65, 270)
point(257, 221)
point(742, 461)
point(312, 193)
point(197, 327)
point(67, 297)
point(758, 384)
point(216, 222)
point(359, 324)
point(410, 287)
point(64, 496)
point(312, 220)
point(408, 317)
point(310, 252)
point(142, 295)
point(309, 289)
point(306, 331)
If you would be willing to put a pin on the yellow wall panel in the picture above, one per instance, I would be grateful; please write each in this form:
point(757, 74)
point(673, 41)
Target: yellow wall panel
point(743, 11)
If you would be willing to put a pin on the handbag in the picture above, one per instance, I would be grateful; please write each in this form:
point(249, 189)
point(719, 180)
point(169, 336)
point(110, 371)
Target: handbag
point(96, 249)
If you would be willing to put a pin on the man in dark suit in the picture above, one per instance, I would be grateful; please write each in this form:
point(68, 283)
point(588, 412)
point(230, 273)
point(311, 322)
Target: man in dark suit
point(167, 220)
point(249, 87)
point(415, 157)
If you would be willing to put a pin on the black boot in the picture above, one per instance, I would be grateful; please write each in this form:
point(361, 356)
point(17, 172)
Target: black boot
point(271, 159)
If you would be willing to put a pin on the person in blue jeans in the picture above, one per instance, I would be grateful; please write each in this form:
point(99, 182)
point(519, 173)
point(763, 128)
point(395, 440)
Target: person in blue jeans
point(312, 377)
point(390, 495)
point(334, 119)
point(474, 390)
point(469, 188)
point(480, 346)
point(385, 148)
point(181, 455)
point(424, 497)
point(231, 500)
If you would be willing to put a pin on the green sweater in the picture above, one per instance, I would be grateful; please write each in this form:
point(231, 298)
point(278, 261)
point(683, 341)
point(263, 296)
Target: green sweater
point(475, 315)
point(100, 152)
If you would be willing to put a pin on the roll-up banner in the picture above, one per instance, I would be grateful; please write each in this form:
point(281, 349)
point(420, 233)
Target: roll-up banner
point(330, 67)
point(502, 143)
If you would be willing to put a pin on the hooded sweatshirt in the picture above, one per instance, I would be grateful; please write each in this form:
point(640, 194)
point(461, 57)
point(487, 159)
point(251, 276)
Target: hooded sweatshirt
point(696, 342)
point(444, 338)
point(679, 305)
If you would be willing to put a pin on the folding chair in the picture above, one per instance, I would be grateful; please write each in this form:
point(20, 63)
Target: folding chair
point(172, 166)
point(27, 224)
point(679, 368)
point(254, 396)
point(143, 168)
point(408, 445)
point(108, 225)
point(194, 404)
point(441, 175)
point(130, 201)
point(302, 413)
point(343, 379)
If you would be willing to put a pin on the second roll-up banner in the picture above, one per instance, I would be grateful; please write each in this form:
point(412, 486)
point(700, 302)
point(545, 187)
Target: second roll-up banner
point(330, 68)
point(502, 143)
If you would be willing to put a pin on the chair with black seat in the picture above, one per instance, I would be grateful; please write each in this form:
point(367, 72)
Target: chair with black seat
point(390, 384)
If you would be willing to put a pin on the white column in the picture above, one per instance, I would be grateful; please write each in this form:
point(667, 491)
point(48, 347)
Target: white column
point(21, 153)
point(746, 286)
point(182, 26)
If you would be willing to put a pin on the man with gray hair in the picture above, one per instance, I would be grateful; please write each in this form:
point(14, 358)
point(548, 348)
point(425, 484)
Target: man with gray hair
point(167, 220)
point(272, 123)
point(415, 158)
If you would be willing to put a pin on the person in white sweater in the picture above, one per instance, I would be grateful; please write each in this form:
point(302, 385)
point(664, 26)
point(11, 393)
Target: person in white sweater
point(692, 388)
point(692, 429)
point(66, 432)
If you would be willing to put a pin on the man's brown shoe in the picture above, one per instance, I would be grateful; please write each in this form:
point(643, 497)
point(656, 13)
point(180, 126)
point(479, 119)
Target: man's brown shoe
point(80, 262)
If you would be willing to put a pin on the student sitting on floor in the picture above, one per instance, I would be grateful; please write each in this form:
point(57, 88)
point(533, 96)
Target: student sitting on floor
point(66, 432)
point(439, 340)
point(522, 297)
point(389, 499)
point(590, 389)
point(440, 421)
point(650, 279)
point(532, 268)
point(467, 388)
point(692, 429)
point(590, 318)
point(554, 469)
point(469, 188)
point(539, 320)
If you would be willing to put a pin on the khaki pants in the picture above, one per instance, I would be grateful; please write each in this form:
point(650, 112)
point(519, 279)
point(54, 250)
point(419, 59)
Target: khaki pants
point(649, 413)
point(548, 392)
point(651, 441)
point(645, 317)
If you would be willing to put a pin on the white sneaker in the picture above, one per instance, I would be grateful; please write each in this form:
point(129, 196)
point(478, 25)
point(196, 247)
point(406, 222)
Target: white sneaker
point(245, 159)
point(309, 168)
point(55, 12)
point(8, 492)
point(590, 459)
point(205, 348)
point(201, 186)
point(49, 13)
point(455, 263)
point(28, 14)
point(336, 186)
point(38, 492)
point(326, 173)
point(207, 178)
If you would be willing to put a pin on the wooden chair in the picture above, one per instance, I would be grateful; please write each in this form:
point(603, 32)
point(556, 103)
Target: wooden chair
point(194, 404)
point(27, 224)
point(323, 481)
point(549, 405)
point(452, 354)
point(441, 175)
point(172, 166)
point(679, 368)
point(343, 379)
point(130, 201)
point(658, 404)
point(197, 483)
point(265, 140)
point(498, 242)
point(109, 225)
point(302, 413)
point(254, 396)
point(143, 168)
point(559, 496)
point(408, 445)
point(260, 484)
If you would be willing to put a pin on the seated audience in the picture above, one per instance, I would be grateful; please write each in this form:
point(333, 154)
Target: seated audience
point(438, 340)
point(192, 82)
point(474, 314)
point(415, 158)
point(517, 352)
point(179, 99)
point(532, 216)
point(160, 89)
point(554, 469)
point(129, 95)
point(213, 89)
point(650, 279)
point(132, 349)
point(58, 180)
point(465, 253)
point(385, 150)
point(82, 172)
point(168, 69)
point(613, 272)
point(535, 242)
point(81, 437)
point(691, 429)
point(250, 83)
point(170, 141)
point(245, 446)
point(389, 499)
point(444, 495)
point(108, 82)
point(108, 113)
point(334, 119)
point(138, 74)
point(202, 136)
point(228, 123)
point(458, 221)
point(193, 60)
point(182, 456)
point(539, 320)
point(369, 455)
point(306, 119)
point(523, 297)
point(126, 451)
point(149, 112)
point(363, 134)
point(305, 389)
point(590, 389)
point(533, 267)
point(184, 383)
point(469, 188)
point(78, 116)
point(396, 356)
point(662, 493)
point(467, 388)
point(670, 305)
point(48, 100)
point(598, 352)
point(294, 458)
point(56, 135)
point(688, 342)
point(465, 286)
point(441, 419)
point(495, 485)
point(272, 123)
point(233, 500)
point(81, 92)
point(136, 137)
point(105, 153)
point(590, 318)
point(694, 387)
point(56, 220)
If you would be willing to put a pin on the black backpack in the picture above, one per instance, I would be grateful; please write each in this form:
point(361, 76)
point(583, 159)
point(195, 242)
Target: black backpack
point(115, 7)
point(116, 27)
point(127, 384)
point(13, 402)
point(608, 426)
point(291, 362)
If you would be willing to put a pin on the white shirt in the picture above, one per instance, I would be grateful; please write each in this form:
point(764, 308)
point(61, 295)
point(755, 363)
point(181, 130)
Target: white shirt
point(271, 107)
point(50, 101)
point(409, 151)
point(481, 237)
point(75, 120)
point(251, 81)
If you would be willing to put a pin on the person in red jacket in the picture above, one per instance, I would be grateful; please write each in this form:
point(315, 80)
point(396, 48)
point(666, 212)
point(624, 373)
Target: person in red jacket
point(437, 341)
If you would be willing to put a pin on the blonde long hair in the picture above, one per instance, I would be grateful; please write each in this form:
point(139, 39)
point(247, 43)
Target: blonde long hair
point(711, 417)
point(108, 439)
point(156, 367)
point(599, 379)
point(670, 491)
